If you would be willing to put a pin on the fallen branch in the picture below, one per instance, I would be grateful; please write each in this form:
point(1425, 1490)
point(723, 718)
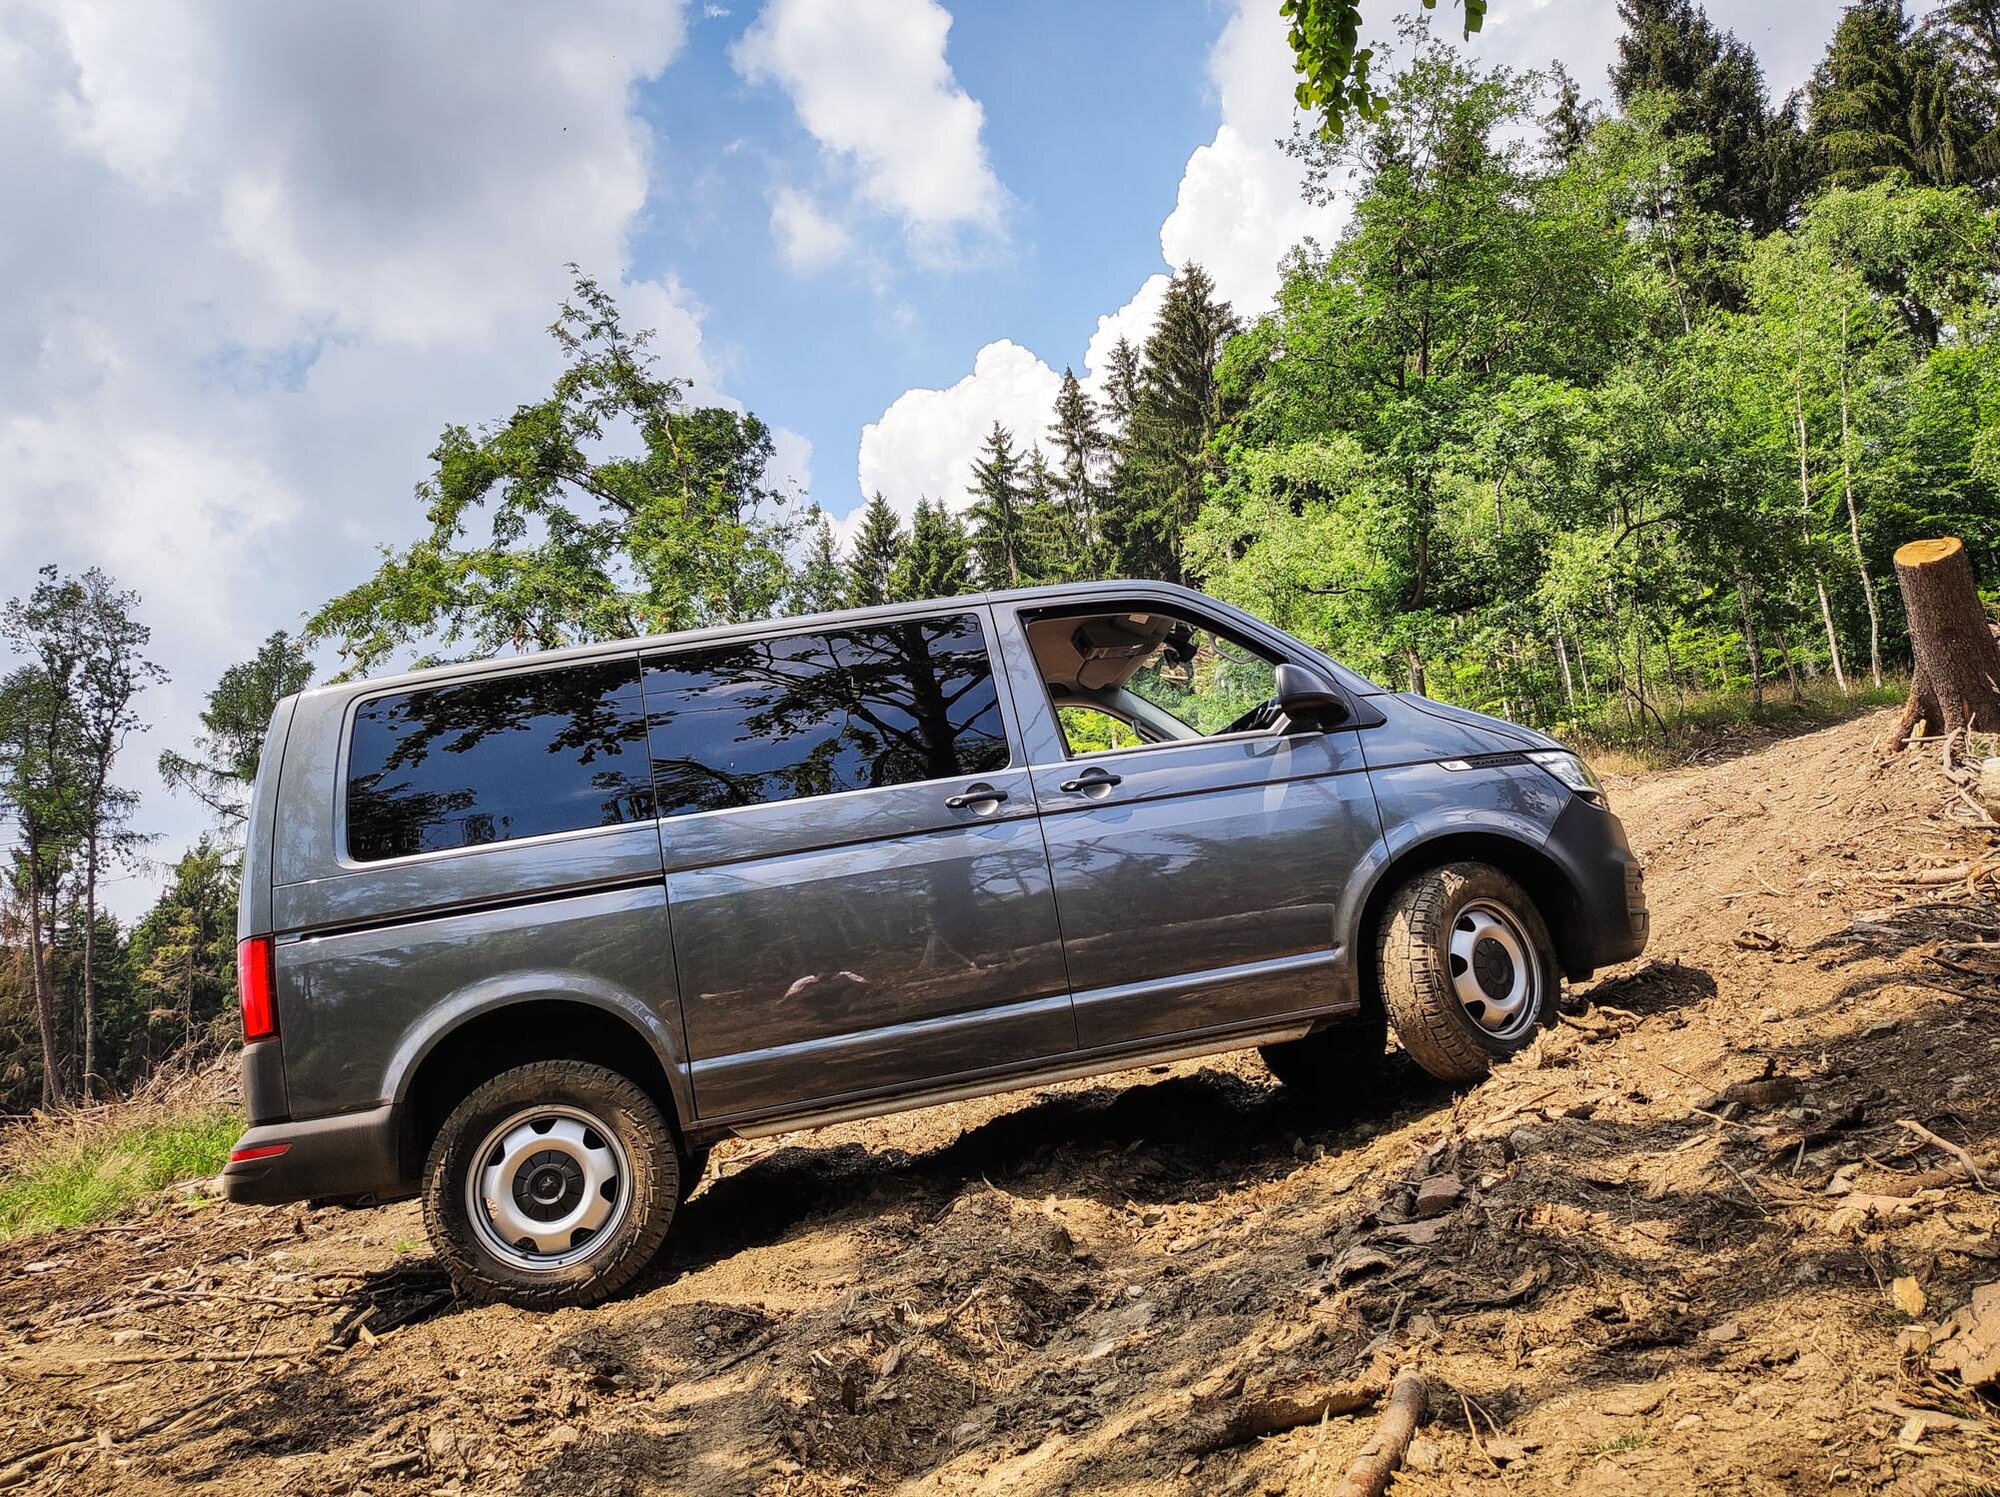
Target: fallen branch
point(1384, 1452)
point(1913, 1126)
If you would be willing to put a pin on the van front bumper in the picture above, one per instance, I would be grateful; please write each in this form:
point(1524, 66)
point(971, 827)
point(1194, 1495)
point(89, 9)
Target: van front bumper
point(1610, 921)
point(338, 1158)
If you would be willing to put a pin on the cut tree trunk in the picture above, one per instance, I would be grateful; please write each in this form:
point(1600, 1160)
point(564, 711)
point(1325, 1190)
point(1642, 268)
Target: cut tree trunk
point(1956, 683)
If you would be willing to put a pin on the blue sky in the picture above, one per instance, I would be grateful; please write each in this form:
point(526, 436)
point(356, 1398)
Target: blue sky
point(257, 256)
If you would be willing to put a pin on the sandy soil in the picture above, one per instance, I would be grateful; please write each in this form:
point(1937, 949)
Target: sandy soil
point(1622, 1276)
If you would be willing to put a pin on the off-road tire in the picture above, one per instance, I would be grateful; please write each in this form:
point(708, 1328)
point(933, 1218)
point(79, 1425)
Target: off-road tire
point(1346, 1059)
point(1413, 959)
point(653, 1160)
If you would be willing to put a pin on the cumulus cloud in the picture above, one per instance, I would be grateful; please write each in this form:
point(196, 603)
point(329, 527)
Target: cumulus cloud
point(807, 239)
point(1239, 208)
point(1238, 212)
point(924, 444)
point(870, 82)
point(258, 256)
point(1133, 322)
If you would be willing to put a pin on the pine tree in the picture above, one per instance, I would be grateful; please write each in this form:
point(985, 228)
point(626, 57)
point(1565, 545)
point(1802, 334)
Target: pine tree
point(1889, 98)
point(1044, 523)
point(1121, 386)
point(821, 584)
point(1572, 117)
point(934, 564)
point(995, 513)
point(877, 547)
point(1751, 171)
point(1163, 460)
point(1081, 452)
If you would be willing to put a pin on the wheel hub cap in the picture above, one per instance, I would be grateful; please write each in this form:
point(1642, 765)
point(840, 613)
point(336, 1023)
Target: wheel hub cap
point(1493, 969)
point(546, 1188)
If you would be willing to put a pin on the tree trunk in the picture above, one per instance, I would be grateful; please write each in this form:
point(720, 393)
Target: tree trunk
point(1956, 683)
point(89, 966)
point(1854, 520)
point(45, 1003)
point(1750, 643)
point(1569, 681)
point(1805, 534)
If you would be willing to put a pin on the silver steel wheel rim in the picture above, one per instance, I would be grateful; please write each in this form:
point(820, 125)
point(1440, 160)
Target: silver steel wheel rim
point(1494, 971)
point(547, 1188)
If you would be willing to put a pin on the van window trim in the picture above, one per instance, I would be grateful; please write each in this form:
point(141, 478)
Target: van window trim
point(981, 615)
point(343, 855)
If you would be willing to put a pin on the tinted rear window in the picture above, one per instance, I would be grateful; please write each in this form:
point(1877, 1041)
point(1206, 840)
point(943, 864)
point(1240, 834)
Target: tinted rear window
point(812, 714)
point(497, 758)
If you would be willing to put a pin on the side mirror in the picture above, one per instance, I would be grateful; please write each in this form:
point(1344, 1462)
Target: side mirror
point(1305, 696)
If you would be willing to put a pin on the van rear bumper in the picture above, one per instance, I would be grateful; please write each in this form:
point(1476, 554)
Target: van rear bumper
point(337, 1158)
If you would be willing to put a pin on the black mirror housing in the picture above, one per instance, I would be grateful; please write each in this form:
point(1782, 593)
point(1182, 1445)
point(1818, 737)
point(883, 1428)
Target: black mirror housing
point(1305, 696)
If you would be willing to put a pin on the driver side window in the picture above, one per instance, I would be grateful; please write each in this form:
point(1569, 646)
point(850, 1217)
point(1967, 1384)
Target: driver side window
point(1137, 675)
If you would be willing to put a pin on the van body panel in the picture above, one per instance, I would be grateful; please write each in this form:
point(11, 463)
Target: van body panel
point(949, 915)
point(1180, 886)
point(253, 895)
point(360, 1008)
point(433, 884)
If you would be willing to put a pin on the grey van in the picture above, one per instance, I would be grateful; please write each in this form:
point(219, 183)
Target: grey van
point(528, 936)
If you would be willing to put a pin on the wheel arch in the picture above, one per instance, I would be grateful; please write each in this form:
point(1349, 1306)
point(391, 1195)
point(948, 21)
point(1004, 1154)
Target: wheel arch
point(1540, 876)
point(475, 1044)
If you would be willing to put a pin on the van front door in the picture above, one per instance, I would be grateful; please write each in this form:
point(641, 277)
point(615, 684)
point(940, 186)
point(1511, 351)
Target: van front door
point(856, 881)
point(1199, 851)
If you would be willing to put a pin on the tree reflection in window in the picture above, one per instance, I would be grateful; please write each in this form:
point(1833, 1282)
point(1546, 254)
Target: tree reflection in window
point(497, 758)
point(813, 714)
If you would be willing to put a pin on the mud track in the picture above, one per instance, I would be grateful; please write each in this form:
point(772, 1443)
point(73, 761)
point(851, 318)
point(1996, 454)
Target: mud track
point(1630, 1278)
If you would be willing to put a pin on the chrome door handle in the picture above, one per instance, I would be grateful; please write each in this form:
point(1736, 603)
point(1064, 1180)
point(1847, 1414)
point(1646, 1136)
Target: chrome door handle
point(975, 798)
point(1090, 779)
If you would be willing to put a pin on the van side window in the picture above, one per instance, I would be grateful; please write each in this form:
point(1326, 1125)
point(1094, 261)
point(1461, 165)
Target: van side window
point(496, 758)
point(818, 713)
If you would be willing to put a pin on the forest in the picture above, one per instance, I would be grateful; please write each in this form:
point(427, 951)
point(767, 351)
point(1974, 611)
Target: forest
point(1590, 415)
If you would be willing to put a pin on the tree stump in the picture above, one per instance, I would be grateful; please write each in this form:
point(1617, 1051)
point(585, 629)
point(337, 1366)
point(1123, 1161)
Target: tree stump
point(1956, 683)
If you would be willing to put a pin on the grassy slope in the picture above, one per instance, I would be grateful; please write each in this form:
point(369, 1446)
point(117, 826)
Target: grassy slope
point(63, 1174)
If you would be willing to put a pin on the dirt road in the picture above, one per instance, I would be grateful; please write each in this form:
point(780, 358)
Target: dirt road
point(1626, 1278)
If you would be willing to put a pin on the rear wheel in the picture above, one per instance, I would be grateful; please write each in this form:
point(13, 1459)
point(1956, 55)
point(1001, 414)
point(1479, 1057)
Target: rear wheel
point(1341, 1061)
point(1468, 971)
point(551, 1185)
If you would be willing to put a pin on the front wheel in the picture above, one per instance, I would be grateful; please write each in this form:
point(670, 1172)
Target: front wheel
point(1467, 968)
point(551, 1185)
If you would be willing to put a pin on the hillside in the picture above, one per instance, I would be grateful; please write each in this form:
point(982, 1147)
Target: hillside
point(1675, 1247)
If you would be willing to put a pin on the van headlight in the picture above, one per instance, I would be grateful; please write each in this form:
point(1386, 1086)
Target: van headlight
point(1572, 771)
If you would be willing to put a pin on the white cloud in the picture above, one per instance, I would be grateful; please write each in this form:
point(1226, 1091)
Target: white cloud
point(1240, 207)
point(1238, 212)
point(807, 239)
point(871, 84)
point(1132, 322)
point(924, 445)
point(257, 257)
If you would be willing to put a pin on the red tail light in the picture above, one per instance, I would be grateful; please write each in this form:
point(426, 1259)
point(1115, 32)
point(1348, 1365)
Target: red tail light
point(257, 1151)
point(253, 987)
